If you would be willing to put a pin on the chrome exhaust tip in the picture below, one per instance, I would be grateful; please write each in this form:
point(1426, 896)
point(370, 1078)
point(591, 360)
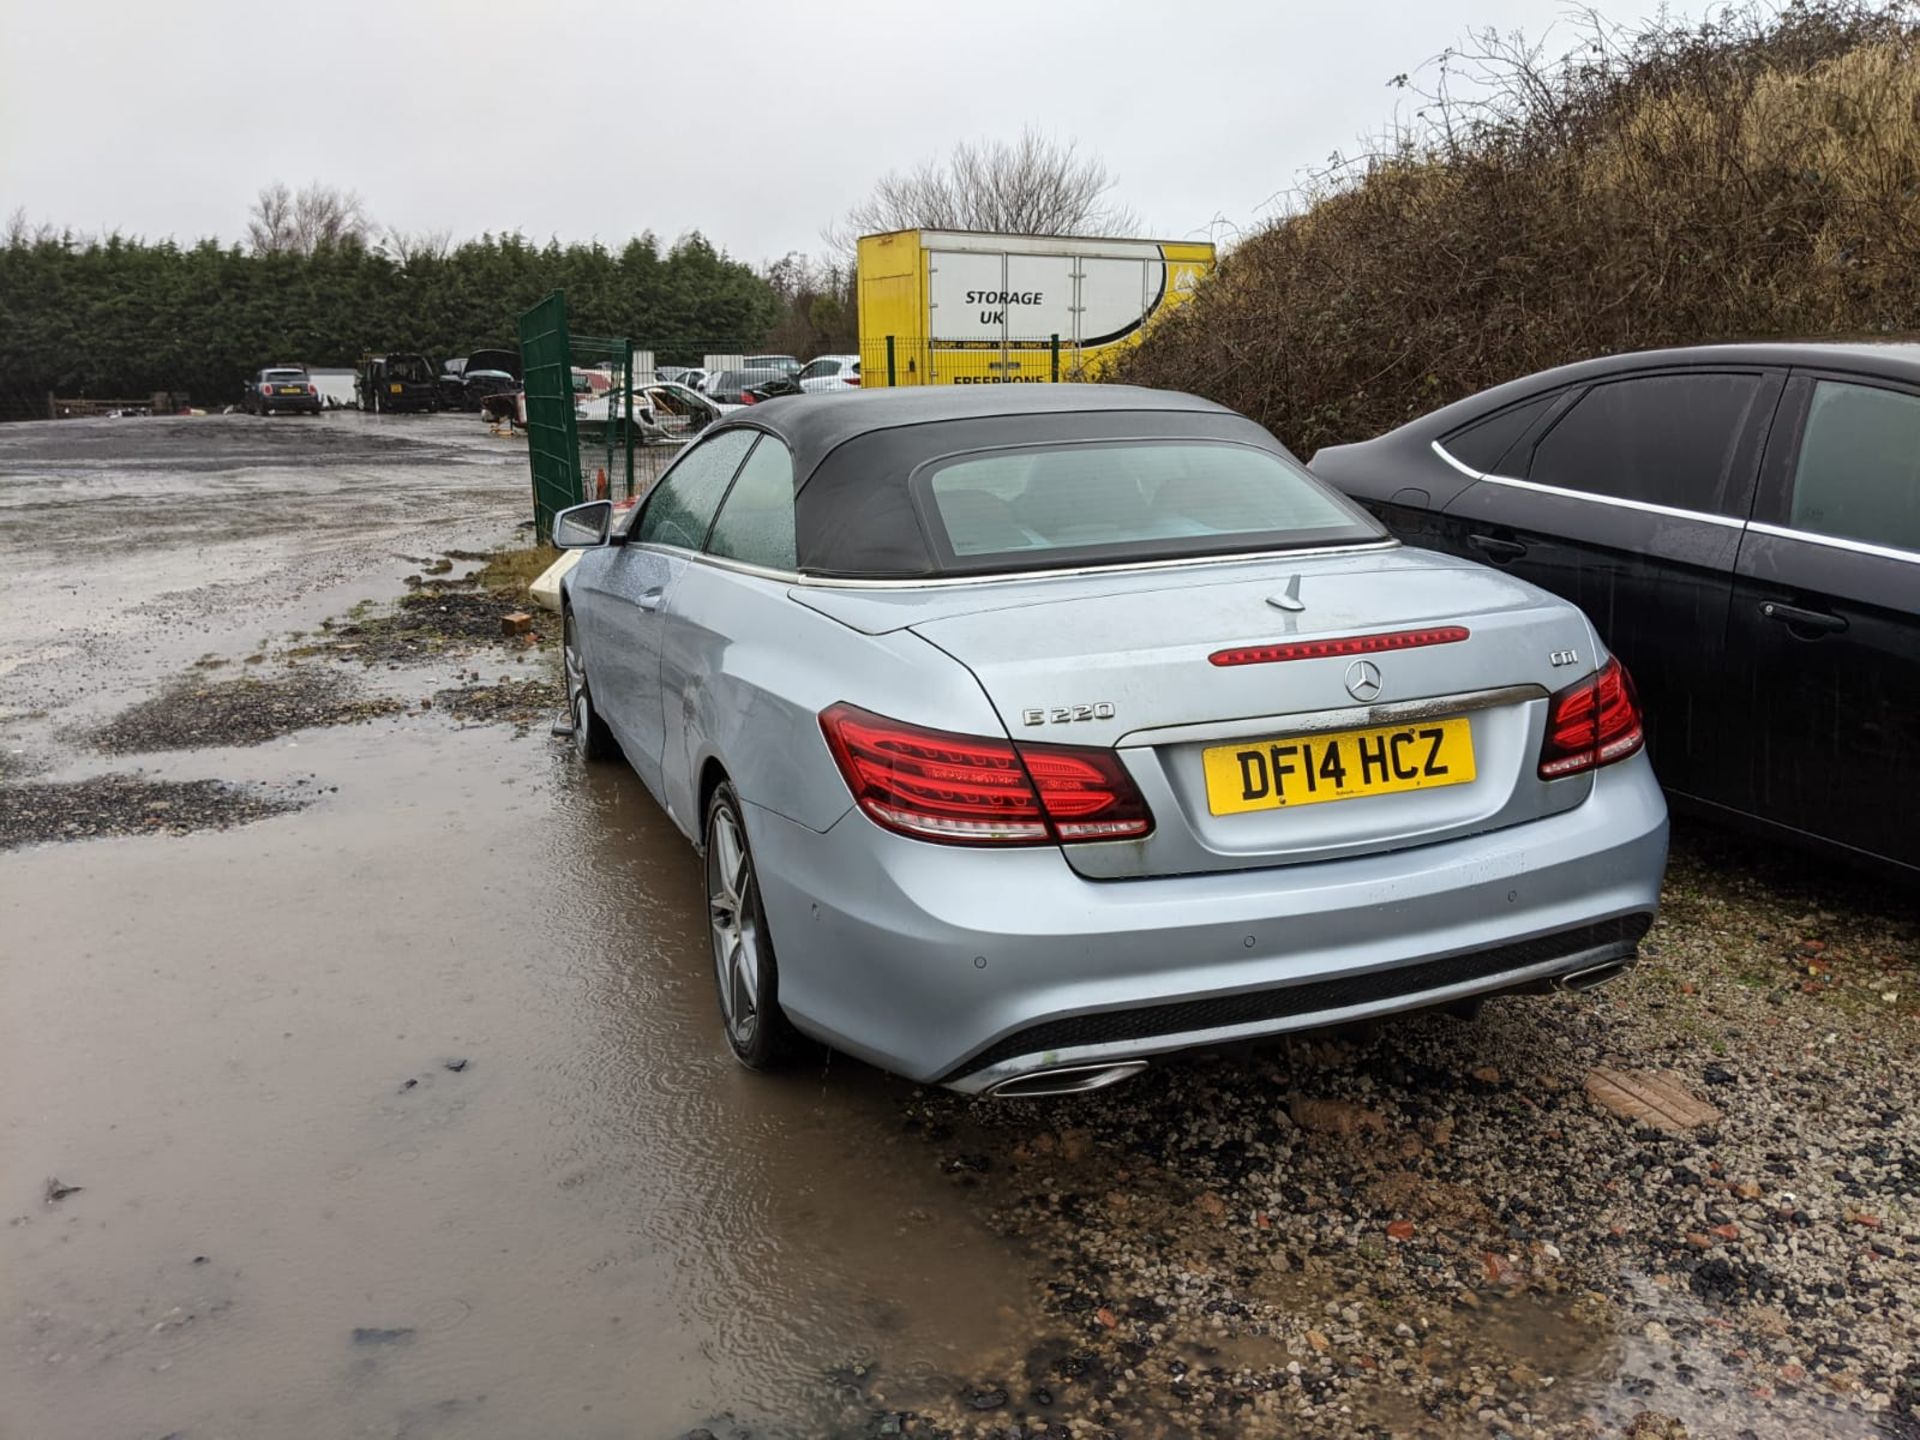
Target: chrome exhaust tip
point(1066, 1080)
point(1593, 976)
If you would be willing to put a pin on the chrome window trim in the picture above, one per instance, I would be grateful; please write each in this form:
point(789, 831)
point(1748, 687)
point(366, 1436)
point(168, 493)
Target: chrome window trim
point(1456, 462)
point(1858, 547)
point(743, 567)
point(942, 582)
point(1672, 512)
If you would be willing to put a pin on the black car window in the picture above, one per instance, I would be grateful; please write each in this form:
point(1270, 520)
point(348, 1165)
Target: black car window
point(1481, 445)
point(756, 522)
point(1659, 439)
point(1858, 477)
point(681, 505)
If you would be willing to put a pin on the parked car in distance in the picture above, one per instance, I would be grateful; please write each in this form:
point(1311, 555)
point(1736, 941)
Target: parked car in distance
point(284, 388)
point(829, 374)
point(397, 383)
point(919, 671)
point(487, 372)
point(689, 375)
point(679, 411)
point(452, 383)
point(662, 414)
point(776, 388)
point(1742, 523)
point(784, 364)
point(729, 386)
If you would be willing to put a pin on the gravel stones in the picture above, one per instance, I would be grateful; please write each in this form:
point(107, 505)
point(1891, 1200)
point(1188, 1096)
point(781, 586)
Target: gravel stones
point(195, 714)
point(128, 805)
point(520, 703)
point(1429, 1228)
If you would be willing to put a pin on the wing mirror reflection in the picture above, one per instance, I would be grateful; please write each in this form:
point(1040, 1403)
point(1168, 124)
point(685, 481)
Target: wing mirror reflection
point(583, 527)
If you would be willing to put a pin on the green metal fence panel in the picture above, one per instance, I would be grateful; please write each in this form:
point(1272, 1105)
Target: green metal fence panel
point(603, 381)
point(553, 444)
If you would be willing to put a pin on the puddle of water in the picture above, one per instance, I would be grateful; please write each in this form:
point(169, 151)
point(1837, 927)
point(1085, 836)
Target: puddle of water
point(600, 1226)
point(1573, 1361)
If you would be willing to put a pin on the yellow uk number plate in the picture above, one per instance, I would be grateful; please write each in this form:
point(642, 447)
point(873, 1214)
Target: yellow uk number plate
point(395, 389)
point(1337, 765)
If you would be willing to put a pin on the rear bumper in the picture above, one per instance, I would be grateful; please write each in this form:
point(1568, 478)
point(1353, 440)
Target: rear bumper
point(969, 968)
point(309, 404)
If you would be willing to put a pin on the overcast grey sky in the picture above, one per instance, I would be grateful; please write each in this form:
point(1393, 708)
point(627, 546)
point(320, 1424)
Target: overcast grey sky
point(754, 122)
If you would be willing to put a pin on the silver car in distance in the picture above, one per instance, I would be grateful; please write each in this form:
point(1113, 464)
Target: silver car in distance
point(1036, 732)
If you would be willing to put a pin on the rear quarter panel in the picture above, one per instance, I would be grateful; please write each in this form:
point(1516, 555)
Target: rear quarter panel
point(746, 671)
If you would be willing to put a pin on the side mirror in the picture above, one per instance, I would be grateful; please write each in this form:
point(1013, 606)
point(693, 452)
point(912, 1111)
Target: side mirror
point(583, 527)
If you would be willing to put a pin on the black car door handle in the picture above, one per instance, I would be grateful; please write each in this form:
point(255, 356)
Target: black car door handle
point(1803, 619)
point(1495, 548)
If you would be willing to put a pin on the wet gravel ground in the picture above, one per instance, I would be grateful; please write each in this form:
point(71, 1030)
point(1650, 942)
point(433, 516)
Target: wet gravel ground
point(522, 704)
point(1429, 1228)
point(426, 624)
point(130, 805)
point(197, 714)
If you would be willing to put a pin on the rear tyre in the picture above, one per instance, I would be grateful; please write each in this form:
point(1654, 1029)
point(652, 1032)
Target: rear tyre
point(592, 741)
point(744, 972)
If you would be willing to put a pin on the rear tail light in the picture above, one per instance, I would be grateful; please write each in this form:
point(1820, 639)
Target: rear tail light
point(978, 790)
point(313, 389)
point(746, 397)
point(1593, 723)
point(266, 389)
point(849, 379)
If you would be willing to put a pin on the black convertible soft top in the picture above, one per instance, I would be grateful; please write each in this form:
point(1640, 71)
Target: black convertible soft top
point(855, 515)
point(813, 426)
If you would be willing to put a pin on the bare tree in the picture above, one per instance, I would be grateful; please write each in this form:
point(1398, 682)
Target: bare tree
point(405, 247)
point(284, 221)
point(1030, 186)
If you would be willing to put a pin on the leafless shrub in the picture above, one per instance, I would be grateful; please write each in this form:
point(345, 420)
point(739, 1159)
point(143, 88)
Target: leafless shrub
point(283, 221)
point(1757, 174)
point(408, 247)
point(20, 232)
point(1031, 186)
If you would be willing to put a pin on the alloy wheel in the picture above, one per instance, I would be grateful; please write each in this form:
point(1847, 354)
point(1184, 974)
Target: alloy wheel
point(736, 933)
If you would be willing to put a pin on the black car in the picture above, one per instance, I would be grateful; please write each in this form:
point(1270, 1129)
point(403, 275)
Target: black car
point(284, 388)
point(729, 387)
point(452, 384)
point(773, 389)
point(394, 383)
point(488, 372)
point(1741, 523)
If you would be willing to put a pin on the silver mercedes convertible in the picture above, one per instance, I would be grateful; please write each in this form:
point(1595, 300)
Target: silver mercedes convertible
point(1032, 733)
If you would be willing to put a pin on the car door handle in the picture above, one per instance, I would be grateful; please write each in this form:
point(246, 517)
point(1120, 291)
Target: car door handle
point(1803, 619)
point(1496, 549)
point(650, 599)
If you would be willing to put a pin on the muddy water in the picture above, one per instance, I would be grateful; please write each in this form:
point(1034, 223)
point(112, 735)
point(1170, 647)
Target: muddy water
point(295, 1220)
point(131, 548)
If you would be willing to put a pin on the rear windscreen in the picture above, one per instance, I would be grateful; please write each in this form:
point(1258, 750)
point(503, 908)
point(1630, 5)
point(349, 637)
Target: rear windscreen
point(1129, 500)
